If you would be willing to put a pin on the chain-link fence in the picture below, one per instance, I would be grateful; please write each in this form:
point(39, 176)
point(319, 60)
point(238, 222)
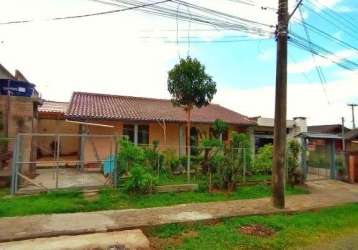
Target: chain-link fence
point(44, 162)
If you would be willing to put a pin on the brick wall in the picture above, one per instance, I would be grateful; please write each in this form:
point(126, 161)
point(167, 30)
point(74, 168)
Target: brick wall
point(21, 119)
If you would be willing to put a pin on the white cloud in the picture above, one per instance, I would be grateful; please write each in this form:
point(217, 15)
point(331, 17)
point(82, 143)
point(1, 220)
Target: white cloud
point(266, 55)
point(307, 100)
point(310, 63)
point(328, 3)
point(107, 54)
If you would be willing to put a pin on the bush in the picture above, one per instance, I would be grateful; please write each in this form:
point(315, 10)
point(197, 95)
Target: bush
point(129, 155)
point(242, 142)
point(153, 159)
point(295, 174)
point(140, 181)
point(171, 160)
point(263, 159)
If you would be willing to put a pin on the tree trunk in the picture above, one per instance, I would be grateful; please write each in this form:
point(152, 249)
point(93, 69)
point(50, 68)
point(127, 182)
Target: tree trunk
point(210, 183)
point(188, 142)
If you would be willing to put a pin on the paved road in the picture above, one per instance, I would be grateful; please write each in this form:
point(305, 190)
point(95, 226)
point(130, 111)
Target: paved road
point(323, 194)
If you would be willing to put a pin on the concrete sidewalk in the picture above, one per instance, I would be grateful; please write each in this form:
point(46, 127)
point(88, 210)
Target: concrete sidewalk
point(128, 239)
point(324, 194)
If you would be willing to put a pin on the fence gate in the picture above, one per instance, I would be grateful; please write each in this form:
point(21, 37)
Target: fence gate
point(43, 162)
point(320, 160)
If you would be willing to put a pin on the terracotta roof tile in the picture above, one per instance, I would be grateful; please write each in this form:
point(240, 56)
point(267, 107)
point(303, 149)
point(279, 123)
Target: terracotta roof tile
point(53, 107)
point(87, 106)
point(329, 129)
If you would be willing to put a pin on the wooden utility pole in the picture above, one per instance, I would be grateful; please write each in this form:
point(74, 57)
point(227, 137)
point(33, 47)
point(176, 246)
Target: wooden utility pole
point(279, 149)
point(353, 118)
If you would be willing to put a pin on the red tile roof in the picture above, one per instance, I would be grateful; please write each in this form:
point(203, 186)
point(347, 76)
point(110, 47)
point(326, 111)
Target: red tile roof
point(53, 107)
point(328, 129)
point(90, 106)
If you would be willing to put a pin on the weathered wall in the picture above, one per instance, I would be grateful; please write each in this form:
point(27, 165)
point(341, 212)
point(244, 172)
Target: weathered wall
point(156, 132)
point(20, 119)
point(353, 147)
point(68, 144)
point(99, 148)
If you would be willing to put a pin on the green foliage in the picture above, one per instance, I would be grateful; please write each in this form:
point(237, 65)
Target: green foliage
point(129, 154)
point(212, 147)
point(171, 160)
point(140, 180)
point(153, 159)
point(318, 159)
point(308, 230)
point(242, 141)
point(219, 127)
point(263, 159)
point(189, 84)
point(109, 199)
point(293, 151)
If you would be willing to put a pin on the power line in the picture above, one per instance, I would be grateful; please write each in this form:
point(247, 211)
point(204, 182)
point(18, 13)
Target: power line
point(90, 14)
point(318, 68)
point(333, 21)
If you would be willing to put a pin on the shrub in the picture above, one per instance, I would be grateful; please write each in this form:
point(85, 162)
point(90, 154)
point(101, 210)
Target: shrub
point(219, 128)
point(170, 160)
point(140, 180)
point(293, 171)
point(129, 154)
point(242, 142)
point(153, 159)
point(263, 159)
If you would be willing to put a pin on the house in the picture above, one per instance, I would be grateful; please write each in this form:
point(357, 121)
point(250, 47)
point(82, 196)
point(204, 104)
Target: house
point(323, 135)
point(19, 102)
point(262, 133)
point(351, 140)
point(142, 120)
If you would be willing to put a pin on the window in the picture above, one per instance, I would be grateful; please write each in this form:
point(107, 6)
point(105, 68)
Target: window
point(143, 134)
point(128, 130)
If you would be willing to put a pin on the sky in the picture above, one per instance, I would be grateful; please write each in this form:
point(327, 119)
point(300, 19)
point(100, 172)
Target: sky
point(131, 52)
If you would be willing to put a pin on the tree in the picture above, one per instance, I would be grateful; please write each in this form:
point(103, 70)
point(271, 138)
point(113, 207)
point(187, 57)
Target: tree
point(219, 128)
point(190, 86)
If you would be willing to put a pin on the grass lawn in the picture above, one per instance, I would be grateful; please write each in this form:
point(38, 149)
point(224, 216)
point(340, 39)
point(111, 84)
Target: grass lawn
point(311, 229)
point(67, 202)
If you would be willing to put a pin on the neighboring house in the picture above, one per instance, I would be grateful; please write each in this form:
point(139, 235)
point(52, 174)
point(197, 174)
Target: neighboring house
point(52, 121)
point(335, 129)
point(323, 135)
point(19, 102)
point(262, 133)
point(351, 139)
point(142, 120)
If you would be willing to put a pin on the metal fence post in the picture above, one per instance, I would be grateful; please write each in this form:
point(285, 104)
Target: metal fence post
point(14, 166)
point(244, 167)
point(115, 165)
point(57, 159)
point(333, 160)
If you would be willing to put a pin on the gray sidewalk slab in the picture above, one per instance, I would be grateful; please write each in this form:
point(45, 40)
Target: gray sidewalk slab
point(128, 239)
point(324, 194)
